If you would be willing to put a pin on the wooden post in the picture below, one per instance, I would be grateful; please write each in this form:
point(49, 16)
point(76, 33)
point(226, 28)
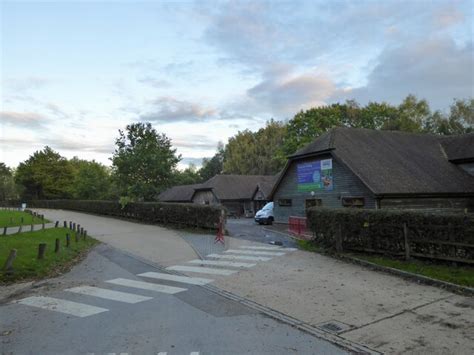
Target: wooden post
point(5, 230)
point(56, 224)
point(84, 236)
point(339, 239)
point(70, 225)
point(82, 231)
point(57, 246)
point(407, 242)
point(31, 227)
point(78, 228)
point(9, 264)
point(68, 240)
point(65, 224)
point(41, 250)
point(20, 229)
point(74, 226)
point(42, 225)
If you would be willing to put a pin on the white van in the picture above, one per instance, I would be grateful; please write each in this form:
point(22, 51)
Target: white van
point(265, 215)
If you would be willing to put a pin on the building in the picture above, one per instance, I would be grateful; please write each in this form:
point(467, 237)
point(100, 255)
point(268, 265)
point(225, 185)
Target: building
point(349, 167)
point(242, 195)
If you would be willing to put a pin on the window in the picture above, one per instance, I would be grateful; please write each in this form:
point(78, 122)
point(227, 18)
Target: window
point(353, 202)
point(314, 202)
point(284, 202)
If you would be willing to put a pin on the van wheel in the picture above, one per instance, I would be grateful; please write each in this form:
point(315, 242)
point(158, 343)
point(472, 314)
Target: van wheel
point(270, 220)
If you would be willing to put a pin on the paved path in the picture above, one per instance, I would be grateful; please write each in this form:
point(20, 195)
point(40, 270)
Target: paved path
point(115, 303)
point(154, 243)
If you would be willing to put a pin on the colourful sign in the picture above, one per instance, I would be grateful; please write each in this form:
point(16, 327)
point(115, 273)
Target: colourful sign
point(315, 175)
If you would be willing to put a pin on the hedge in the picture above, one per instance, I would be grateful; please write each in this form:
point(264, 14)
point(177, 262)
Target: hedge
point(446, 236)
point(178, 214)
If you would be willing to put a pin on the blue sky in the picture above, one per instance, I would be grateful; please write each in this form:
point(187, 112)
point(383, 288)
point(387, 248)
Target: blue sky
point(73, 73)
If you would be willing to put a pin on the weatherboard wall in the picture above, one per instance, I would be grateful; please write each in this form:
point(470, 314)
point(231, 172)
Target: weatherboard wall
point(346, 184)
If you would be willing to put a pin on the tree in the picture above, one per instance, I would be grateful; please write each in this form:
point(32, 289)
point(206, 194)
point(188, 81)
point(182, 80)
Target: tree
point(92, 180)
point(143, 161)
point(45, 175)
point(188, 176)
point(412, 115)
point(213, 166)
point(7, 184)
point(250, 153)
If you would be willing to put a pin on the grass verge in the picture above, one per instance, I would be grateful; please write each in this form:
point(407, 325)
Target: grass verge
point(14, 218)
point(26, 264)
point(458, 275)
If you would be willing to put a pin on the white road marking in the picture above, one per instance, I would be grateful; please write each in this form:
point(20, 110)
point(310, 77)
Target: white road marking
point(201, 270)
point(238, 257)
point(267, 248)
point(194, 353)
point(183, 279)
point(220, 263)
point(251, 252)
point(63, 306)
point(146, 286)
point(162, 353)
point(109, 294)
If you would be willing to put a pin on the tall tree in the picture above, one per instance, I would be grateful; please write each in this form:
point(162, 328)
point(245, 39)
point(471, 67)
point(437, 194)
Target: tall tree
point(7, 184)
point(412, 115)
point(45, 175)
point(213, 166)
point(255, 153)
point(143, 161)
point(92, 180)
point(188, 176)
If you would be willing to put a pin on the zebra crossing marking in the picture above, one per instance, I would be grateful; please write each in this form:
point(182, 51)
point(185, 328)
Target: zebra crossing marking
point(55, 304)
point(201, 270)
point(238, 257)
point(221, 263)
point(109, 294)
point(170, 277)
point(267, 248)
point(147, 286)
point(251, 252)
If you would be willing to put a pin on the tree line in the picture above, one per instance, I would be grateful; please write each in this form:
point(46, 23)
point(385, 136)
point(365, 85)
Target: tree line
point(144, 162)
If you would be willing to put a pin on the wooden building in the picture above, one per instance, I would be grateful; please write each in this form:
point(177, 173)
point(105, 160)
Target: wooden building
point(362, 168)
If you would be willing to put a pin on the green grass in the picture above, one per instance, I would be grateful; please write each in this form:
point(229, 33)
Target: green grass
point(26, 264)
point(13, 218)
point(459, 275)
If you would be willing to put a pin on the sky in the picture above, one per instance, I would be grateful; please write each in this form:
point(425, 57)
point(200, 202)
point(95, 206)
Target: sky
point(72, 73)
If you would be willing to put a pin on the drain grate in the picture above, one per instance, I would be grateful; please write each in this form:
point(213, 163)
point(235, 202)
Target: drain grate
point(333, 326)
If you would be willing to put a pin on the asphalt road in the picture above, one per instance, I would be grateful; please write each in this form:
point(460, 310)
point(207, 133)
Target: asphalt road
point(189, 319)
point(247, 229)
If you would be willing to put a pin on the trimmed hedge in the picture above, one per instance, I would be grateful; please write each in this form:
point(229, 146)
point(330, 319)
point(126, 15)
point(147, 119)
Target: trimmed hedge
point(178, 214)
point(445, 236)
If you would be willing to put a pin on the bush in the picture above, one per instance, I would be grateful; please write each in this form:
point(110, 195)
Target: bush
point(179, 214)
point(447, 236)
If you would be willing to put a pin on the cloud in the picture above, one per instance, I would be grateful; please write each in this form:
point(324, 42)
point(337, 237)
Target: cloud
point(169, 109)
point(286, 92)
point(23, 119)
point(72, 144)
point(435, 69)
point(28, 83)
point(448, 16)
point(154, 82)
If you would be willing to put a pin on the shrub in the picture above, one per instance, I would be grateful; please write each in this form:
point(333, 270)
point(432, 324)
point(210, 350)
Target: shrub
point(179, 214)
point(446, 236)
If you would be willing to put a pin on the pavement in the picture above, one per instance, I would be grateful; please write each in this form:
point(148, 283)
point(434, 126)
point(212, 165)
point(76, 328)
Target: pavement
point(252, 297)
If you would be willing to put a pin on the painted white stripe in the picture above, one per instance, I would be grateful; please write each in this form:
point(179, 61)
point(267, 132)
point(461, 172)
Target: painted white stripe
point(109, 294)
point(201, 270)
point(162, 353)
point(63, 306)
point(238, 257)
point(267, 248)
point(146, 286)
point(183, 279)
point(194, 353)
point(220, 263)
point(251, 252)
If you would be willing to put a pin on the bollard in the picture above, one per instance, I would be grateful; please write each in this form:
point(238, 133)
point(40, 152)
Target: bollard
point(9, 264)
point(56, 224)
point(65, 224)
point(31, 227)
point(78, 228)
point(20, 229)
point(4, 230)
point(84, 236)
point(68, 240)
point(41, 250)
point(42, 225)
point(74, 226)
point(70, 225)
point(57, 246)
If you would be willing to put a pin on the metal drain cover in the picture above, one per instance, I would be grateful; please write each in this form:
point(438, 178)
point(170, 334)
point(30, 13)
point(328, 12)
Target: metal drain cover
point(334, 327)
